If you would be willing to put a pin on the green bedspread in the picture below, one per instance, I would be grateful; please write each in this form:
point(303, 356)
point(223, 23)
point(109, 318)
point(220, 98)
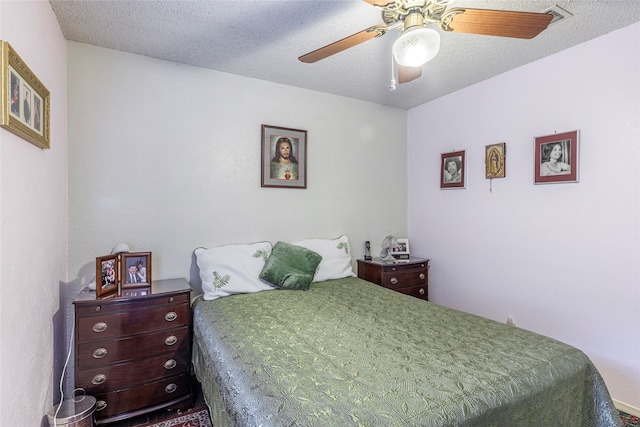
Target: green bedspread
point(350, 353)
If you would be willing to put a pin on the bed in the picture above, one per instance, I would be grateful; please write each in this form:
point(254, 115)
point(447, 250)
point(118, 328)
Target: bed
point(347, 352)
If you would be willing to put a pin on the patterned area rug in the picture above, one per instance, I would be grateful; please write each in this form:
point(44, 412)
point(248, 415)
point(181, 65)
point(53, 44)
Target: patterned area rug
point(629, 420)
point(198, 417)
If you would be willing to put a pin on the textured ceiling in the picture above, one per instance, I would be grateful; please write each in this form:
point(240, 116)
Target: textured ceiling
point(263, 39)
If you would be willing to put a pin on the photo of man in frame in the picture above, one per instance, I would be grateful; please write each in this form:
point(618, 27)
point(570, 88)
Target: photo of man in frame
point(284, 164)
point(136, 270)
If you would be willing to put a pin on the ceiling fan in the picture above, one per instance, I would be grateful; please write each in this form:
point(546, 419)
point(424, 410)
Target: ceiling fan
point(418, 44)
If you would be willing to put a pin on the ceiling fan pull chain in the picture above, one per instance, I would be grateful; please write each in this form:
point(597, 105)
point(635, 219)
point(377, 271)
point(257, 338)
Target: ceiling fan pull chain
point(392, 82)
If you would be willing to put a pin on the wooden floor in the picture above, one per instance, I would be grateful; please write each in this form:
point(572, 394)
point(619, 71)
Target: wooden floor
point(157, 416)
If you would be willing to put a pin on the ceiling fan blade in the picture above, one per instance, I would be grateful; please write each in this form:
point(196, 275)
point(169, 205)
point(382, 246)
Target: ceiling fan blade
point(503, 23)
point(381, 3)
point(345, 43)
point(407, 74)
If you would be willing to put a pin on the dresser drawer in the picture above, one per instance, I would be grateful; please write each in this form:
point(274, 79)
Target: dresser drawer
point(404, 278)
point(105, 307)
point(411, 278)
point(94, 354)
point(421, 292)
point(140, 371)
point(133, 350)
point(105, 325)
point(132, 399)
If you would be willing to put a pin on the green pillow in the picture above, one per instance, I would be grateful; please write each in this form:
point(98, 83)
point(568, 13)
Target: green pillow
point(290, 266)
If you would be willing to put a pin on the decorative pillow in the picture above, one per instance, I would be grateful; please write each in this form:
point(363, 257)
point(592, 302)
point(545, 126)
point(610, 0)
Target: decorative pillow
point(336, 257)
point(290, 266)
point(232, 269)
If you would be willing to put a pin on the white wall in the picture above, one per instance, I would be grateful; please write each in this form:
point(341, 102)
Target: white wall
point(561, 259)
point(33, 226)
point(166, 158)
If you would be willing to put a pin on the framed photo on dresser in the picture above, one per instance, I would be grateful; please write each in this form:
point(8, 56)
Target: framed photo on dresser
point(107, 268)
point(136, 269)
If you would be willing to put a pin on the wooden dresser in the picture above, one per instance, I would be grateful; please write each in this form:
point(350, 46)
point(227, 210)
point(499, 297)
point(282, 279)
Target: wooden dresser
point(133, 350)
point(410, 277)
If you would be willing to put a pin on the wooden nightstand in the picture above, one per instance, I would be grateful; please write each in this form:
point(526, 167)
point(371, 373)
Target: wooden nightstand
point(411, 278)
point(133, 352)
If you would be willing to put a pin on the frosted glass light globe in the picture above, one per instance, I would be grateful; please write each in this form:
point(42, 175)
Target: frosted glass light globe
point(415, 47)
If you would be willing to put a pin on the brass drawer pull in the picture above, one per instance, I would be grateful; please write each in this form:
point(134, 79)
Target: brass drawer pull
point(99, 327)
point(100, 405)
point(421, 291)
point(170, 364)
point(170, 316)
point(170, 388)
point(421, 276)
point(99, 379)
point(394, 281)
point(99, 353)
point(170, 340)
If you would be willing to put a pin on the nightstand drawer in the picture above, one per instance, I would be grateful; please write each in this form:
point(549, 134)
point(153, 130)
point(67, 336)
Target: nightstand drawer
point(421, 292)
point(404, 278)
point(121, 401)
point(116, 377)
point(410, 277)
point(95, 354)
point(110, 306)
point(132, 322)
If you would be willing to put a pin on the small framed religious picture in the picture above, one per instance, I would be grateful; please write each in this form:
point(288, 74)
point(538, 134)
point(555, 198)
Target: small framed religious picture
point(107, 275)
point(495, 160)
point(556, 158)
point(452, 169)
point(136, 269)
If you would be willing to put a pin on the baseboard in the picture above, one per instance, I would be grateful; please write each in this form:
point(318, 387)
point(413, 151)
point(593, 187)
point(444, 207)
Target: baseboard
point(626, 408)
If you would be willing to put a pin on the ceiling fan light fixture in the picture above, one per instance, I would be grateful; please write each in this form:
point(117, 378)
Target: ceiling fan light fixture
point(416, 46)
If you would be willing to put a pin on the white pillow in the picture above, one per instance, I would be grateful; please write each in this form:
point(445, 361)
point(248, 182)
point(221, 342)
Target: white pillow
point(232, 269)
point(336, 257)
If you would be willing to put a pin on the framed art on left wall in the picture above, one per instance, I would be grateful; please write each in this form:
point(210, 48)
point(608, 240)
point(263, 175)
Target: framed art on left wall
point(452, 169)
point(25, 104)
point(556, 158)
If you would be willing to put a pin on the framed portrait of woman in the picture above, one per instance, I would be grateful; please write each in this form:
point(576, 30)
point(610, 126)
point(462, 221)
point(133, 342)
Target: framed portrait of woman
point(452, 169)
point(556, 158)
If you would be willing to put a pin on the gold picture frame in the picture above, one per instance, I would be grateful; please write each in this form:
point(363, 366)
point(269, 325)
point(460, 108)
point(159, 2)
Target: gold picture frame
point(25, 105)
point(495, 156)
